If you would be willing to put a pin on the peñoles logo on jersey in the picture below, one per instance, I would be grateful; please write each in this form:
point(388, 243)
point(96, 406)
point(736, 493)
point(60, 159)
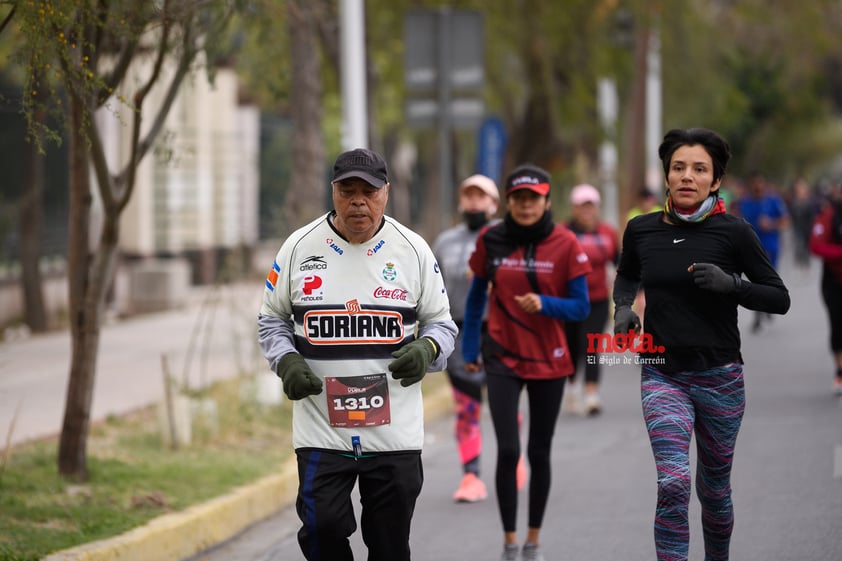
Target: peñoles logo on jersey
point(352, 326)
point(311, 284)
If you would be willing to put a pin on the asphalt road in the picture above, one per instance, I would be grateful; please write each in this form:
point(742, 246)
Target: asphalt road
point(787, 477)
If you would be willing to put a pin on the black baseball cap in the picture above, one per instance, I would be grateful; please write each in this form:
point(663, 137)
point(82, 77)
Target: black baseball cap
point(528, 176)
point(362, 163)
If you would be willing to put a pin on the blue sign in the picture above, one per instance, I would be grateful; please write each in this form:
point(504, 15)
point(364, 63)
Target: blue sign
point(491, 146)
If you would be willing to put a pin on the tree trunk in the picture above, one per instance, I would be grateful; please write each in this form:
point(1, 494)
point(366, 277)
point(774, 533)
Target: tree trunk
point(31, 227)
point(634, 178)
point(84, 328)
point(536, 138)
point(307, 191)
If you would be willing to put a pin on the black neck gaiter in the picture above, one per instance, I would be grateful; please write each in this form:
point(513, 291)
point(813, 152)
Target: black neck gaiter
point(524, 235)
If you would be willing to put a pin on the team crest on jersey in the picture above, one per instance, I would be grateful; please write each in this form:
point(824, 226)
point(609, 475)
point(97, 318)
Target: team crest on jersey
point(272, 278)
point(353, 325)
point(389, 272)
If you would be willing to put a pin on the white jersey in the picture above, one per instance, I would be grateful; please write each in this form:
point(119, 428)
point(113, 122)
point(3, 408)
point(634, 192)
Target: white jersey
point(351, 306)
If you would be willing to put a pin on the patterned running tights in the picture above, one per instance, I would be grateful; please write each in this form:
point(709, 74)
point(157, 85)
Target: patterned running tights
point(711, 404)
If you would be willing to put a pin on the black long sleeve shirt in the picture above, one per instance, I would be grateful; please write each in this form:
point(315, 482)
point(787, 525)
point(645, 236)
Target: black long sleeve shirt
point(697, 328)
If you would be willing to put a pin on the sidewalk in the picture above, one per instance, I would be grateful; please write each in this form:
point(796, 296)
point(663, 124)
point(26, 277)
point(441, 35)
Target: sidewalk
point(216, 331)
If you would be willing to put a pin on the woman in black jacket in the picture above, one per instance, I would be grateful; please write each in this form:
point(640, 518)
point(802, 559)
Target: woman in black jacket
point(690, 260)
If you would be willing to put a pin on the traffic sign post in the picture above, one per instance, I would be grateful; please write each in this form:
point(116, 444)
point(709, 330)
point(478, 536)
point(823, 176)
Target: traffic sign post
point(491, 143)
point(444, 75)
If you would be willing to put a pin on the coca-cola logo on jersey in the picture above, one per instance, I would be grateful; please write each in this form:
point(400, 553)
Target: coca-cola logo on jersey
point(391, 293)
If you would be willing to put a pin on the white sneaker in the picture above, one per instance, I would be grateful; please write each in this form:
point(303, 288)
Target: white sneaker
point(509, 552)
point(571, 403)
point(593, 404)
point(531, 552)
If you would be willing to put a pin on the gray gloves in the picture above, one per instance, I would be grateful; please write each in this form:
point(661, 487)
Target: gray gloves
point(710, 277)
point(299, 381)
point(411, 361)
point(625, 320)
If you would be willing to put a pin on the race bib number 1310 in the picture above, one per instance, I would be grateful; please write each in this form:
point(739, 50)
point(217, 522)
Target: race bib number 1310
point(358, 401)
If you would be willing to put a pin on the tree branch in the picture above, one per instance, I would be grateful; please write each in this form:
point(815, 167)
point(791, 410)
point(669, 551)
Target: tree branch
point(190, 46)
point(139, 148)
point(103, 176)
point(99, 29)
point(163, 46)
point(8, 18)
point(113, 79)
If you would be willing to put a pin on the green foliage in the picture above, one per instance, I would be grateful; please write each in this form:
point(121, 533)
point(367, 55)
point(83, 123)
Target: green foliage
point(746, 68)
point(80, 47)
point(756, 73)
point(133, 477)
point(263, 55)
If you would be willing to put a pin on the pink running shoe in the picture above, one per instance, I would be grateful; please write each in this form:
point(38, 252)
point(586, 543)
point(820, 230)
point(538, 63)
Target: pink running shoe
point(471, 489)
point(522, 473)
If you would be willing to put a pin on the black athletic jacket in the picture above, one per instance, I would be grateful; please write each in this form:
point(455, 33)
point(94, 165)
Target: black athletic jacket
point(697, 328)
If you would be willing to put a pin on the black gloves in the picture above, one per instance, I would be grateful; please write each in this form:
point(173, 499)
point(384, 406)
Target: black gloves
point(710, 277)
point(410, 366)
point(625, 320)
point(411, 361)
point(299, 381)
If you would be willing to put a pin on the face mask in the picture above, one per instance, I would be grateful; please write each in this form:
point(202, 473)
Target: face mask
point(475, 220)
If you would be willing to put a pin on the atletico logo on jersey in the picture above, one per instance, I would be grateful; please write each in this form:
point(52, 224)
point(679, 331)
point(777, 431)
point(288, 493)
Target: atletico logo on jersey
point(272, 279)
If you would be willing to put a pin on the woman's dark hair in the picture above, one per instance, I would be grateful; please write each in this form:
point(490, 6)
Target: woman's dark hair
point(714, 145)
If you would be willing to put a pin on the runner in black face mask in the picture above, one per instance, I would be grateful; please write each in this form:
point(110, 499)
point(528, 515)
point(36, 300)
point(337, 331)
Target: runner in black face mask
point(475, 219)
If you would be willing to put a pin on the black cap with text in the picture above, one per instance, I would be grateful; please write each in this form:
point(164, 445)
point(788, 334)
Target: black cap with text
point(528, 176)
point(362, 163)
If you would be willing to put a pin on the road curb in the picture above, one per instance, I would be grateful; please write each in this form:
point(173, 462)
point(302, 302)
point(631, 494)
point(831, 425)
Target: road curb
point(181, 535)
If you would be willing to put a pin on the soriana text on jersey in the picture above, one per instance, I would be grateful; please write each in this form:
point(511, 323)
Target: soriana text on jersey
point(352, 325)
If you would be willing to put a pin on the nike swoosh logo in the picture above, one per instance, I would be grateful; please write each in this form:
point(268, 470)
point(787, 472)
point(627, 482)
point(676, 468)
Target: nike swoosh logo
point(678, 241)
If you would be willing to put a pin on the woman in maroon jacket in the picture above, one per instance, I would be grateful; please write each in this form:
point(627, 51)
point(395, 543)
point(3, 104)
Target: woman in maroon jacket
point(537, 271)
point(826, 242)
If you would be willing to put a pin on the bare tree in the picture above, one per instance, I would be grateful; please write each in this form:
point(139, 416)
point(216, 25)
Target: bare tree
point(94, 45)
